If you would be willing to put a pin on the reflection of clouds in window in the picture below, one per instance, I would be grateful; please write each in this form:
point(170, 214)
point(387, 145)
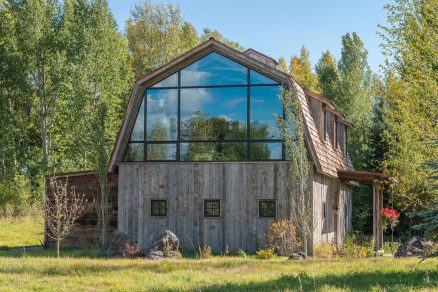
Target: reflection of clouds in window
point(214, 69)
point(203, 109)
point(195, 77)
point(192, 100)
point(162, 112)
point(171, 81)
point(264, 102)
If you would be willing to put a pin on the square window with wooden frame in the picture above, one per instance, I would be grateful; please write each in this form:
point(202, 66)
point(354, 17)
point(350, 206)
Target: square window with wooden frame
point(159, 208)
point(267, 208)
point(212, 208)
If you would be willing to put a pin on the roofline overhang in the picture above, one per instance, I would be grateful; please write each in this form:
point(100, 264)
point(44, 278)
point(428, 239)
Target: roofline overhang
point(362, 176)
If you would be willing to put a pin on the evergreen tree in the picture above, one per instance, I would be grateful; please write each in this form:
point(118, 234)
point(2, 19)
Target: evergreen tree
point(282, 66)
point(328, 74)
point(412, 99)
point(301, 70)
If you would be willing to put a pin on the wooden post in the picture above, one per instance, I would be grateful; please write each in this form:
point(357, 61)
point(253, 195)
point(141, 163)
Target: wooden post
point(377, 206)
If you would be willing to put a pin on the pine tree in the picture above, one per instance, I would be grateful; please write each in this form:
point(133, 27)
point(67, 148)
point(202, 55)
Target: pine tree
point(282, 66)
point(409, 41)
point(328, 74)
point(301, 70)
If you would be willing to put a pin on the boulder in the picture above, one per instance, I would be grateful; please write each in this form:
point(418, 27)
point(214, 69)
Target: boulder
point(416, 246)
point(116, 244)
point(164, 246)
point(298, 256)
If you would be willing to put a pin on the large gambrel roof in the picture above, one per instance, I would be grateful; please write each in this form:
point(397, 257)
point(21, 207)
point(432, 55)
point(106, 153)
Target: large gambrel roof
point(325, 157)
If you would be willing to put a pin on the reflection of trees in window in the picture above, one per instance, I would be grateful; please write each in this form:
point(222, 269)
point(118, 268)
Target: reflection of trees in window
point(157, 151)
point(198, 127)
point(259, 130)
point(260, 151)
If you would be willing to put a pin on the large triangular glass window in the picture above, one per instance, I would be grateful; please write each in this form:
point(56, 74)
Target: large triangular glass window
point(138, 130)
point(171, 81)
point(214, 69)
point(257, 78)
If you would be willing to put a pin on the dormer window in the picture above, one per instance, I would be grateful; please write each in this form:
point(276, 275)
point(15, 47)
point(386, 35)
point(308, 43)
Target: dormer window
point(325, 125)
point(344, 141)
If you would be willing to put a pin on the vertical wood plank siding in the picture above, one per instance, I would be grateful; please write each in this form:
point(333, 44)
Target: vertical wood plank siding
point(239, 186)
point(336, 198)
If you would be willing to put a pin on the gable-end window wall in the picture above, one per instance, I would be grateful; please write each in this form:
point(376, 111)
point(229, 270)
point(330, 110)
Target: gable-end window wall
point(215, 109)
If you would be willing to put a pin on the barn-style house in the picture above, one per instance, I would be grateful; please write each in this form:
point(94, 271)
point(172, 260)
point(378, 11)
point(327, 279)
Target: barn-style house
point(199, 153)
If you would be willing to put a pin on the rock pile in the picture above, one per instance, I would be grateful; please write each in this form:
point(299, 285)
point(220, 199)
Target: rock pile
point(416, 246)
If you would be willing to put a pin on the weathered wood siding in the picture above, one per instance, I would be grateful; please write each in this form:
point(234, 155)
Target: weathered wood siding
point(239, 186)
point(85, 183)
point(338, 203)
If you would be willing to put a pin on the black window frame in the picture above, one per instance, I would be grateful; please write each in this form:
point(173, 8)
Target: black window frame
point(206, 201)
point(158, 201)
point(267, 201)
point(178, 141)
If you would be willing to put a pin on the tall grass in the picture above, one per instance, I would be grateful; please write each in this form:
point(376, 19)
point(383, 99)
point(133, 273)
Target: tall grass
point(36, 270)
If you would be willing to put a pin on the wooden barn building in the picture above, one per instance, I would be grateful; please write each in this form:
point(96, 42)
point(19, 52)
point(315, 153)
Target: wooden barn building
point(199, 153)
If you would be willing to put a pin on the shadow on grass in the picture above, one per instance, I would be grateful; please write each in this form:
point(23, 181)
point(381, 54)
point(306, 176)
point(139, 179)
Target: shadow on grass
point(354, 281)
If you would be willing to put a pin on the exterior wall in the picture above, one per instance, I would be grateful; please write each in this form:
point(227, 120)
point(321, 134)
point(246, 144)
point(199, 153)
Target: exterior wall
point(337, 196)
point(85, 183)
point(239, 186)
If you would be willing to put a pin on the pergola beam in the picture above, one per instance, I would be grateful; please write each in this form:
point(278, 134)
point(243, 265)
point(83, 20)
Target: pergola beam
point(376, 179)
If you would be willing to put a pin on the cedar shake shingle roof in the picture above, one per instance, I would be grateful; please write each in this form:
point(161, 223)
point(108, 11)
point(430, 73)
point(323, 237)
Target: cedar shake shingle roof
point(326, 158)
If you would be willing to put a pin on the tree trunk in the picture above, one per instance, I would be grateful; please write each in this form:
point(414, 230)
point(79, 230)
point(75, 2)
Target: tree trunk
point(57, 247)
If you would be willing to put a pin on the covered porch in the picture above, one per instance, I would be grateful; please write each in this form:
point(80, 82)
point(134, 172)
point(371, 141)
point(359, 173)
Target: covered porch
point(377, 180)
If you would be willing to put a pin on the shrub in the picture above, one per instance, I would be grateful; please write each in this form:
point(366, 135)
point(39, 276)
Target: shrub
point(283, 238)
point(131, 250)
point(358, 245)
point(204, 252)
point(391, 247)
point(239, 253)
point(265, 254)
point(324, 250)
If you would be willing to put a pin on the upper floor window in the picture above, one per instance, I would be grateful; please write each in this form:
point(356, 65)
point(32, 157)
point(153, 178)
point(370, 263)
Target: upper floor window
point(215, 109)
point(325, 124)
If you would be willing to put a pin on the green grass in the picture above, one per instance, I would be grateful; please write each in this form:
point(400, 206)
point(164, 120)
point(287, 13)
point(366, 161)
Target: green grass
point(85, 270)
point(39, 270)
point(19, 232)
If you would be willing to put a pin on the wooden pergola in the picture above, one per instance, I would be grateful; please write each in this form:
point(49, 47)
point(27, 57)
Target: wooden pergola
point(377, 179)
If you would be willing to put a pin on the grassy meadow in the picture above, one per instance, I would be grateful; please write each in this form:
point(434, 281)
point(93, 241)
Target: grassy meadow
point(43, 272)
point(19, 232)
point(86, 270)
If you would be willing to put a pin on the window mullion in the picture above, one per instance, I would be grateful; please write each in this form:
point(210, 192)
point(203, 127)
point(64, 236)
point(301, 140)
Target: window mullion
point(248, 96)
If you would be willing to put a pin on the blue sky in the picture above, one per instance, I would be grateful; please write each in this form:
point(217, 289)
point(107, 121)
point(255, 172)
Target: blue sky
point(280, 27)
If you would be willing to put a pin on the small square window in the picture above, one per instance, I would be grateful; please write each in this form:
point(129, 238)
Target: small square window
point(159, 208)
point(267, 208)
point(212, 208)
